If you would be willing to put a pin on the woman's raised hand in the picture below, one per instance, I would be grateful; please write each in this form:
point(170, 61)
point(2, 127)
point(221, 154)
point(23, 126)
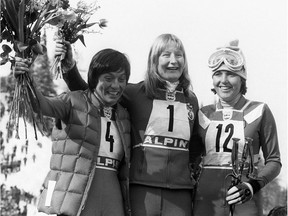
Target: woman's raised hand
point(64, 50)
point(21, 66)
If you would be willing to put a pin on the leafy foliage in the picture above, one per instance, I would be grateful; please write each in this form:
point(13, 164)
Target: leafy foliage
point(45, 83)
point(72, 24)
point(21, 24)
point(273, 195)
point(10, 200)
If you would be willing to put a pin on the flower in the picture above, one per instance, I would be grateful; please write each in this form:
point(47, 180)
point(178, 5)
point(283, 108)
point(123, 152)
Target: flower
point(21, 24)
point(72, 23)
point(103, 23)
point(5, 54)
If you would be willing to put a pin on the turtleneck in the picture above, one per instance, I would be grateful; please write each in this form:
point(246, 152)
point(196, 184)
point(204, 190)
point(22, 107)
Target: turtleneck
point(99, 101)
point(171, 86)
point(230, 104)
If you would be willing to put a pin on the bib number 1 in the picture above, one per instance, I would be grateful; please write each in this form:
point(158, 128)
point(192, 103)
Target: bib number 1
point(171, 118)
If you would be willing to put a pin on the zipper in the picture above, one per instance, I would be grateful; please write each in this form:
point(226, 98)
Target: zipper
point(127, 206)
point(167, 177)
point(85, 195)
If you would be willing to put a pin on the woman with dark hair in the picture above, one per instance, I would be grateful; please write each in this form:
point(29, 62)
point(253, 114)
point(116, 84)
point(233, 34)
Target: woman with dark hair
point(163, 111)
point(91, 153)
point(234, 130)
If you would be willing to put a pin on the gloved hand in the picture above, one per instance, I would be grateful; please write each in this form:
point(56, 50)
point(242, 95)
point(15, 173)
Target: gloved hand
point(63, 48)
point(239, 194)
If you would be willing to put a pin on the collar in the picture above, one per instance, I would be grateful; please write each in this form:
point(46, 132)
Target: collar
point(98, 102)
point(171, 87)
point(238, 105)
point(164, 86)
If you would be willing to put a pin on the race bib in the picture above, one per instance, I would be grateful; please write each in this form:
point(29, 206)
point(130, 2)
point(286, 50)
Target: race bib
point(168, 125)
point(225, 125)
point(111, 149)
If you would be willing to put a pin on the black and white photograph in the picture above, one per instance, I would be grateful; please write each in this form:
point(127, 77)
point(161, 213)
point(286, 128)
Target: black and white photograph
point(143, 108)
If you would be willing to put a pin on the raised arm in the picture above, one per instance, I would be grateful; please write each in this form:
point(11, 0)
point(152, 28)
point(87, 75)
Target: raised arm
point(74, 80)
point(71, 73)
point(50, 106)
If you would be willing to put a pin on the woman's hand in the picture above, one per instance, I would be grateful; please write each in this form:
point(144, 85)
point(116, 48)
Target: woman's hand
point(64, 50)
point(21, 66)
point(239, 194)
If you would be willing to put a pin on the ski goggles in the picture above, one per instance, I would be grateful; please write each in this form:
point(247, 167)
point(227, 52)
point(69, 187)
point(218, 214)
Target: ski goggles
point(232, 59)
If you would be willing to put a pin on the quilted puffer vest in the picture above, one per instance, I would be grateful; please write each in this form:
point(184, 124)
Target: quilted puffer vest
point(74, 152)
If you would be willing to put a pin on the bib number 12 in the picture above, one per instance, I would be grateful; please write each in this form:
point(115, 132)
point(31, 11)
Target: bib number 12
point(228, 129)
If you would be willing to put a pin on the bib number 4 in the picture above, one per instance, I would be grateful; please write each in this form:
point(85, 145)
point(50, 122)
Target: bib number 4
point(109, 138)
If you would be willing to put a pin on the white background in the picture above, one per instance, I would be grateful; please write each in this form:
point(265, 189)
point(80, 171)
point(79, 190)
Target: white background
point(202, 25)
point(260, 26)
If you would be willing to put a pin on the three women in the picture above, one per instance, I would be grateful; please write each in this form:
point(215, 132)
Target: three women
point(163, 113)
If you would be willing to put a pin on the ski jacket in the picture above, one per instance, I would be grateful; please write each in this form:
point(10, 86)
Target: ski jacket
point(74, 152)
point(162, 133)
point(164, 159)
point(248, 119)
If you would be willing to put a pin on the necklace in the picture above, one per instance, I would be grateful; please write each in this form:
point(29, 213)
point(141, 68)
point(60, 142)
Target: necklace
point(107, 111)
point(171, 93)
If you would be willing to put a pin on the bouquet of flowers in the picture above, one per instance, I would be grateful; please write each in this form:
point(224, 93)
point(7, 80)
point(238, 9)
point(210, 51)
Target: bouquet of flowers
point(21, 24)
point(72, 23)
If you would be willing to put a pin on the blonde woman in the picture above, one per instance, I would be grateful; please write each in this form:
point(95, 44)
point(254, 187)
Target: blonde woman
point(163, 111)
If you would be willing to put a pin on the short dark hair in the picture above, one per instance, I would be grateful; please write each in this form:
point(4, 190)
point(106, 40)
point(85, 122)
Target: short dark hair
point(105, 61)
point(243, 88)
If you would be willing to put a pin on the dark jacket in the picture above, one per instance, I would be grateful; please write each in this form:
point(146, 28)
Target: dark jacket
point(137, 103)
point(161, 155)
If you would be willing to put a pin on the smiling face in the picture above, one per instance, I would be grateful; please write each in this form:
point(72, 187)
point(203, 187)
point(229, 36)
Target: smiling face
point(110, 86)
point(227, 85)
point(171, 63)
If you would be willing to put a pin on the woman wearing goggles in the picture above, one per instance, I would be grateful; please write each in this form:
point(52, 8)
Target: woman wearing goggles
point(232, 59)
point(233, 116)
